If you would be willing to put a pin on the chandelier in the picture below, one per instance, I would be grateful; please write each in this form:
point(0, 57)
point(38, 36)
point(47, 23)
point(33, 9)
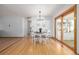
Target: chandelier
point(40, 16)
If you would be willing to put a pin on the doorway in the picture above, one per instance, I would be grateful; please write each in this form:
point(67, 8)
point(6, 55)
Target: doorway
point(65, 28)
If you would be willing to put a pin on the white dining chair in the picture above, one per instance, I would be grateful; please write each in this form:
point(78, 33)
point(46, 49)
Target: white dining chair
point(45, 38)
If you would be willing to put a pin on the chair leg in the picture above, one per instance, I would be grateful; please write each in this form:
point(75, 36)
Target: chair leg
point(33, 41)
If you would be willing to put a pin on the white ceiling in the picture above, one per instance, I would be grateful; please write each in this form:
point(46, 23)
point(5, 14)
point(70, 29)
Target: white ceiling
point(28, 10)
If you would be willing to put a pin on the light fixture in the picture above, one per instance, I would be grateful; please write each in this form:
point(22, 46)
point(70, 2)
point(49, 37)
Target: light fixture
point(40, 16)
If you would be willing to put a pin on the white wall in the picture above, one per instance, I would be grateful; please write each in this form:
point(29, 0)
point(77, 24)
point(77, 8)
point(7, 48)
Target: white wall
point(26, 27)
point(46, 23)
point(12, 26)
point(50, 25)
point(78, 28)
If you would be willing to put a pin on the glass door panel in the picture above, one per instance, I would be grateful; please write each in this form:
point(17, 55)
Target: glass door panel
point(58, 28)
point(68, 29)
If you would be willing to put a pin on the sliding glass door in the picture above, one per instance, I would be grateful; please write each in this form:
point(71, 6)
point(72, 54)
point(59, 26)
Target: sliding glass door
point(58, 28)
point(68, 29)
point(65, 27)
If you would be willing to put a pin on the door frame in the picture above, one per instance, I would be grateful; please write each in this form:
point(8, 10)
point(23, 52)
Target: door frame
point(66, 12)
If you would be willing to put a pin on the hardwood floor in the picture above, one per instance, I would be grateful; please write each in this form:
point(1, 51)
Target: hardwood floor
point(24, 46)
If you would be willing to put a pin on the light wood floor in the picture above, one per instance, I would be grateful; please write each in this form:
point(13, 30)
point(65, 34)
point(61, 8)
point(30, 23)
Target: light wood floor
point(24, 46)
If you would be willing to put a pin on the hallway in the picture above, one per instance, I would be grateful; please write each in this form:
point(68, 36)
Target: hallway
point(24, 46)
